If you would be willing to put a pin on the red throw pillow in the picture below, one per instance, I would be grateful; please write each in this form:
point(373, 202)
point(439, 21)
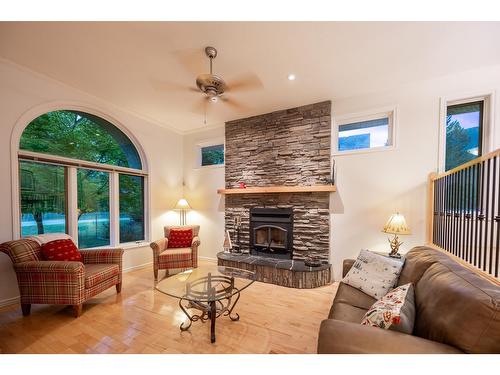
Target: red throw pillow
point(61, 250)
point(180, 238)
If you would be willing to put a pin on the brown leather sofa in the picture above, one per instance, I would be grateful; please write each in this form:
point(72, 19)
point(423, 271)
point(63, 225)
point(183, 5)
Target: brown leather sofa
point(457, 311)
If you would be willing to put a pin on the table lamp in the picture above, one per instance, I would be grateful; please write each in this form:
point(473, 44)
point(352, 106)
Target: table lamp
point(396, 225)
point(182, 206)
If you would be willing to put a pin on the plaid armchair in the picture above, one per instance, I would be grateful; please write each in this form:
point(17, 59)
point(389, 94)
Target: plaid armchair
point(165, 258)
point(62, 282)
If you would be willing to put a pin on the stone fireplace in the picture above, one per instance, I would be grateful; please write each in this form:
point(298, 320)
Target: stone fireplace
point(288, 148)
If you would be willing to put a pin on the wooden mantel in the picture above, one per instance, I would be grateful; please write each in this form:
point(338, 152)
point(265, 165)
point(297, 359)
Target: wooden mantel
point(280, 189)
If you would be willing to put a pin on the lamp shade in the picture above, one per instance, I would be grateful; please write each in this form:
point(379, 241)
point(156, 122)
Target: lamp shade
point(182, 204)
point(396, 225)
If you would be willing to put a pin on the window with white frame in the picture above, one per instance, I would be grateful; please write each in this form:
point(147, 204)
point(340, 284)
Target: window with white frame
point(358, 133)
point(464, 138)
point(81, 175)
point(210, 153)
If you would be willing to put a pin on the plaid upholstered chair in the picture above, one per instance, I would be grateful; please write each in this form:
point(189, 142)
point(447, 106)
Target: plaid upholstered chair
point(166, 257)
point(62, 282)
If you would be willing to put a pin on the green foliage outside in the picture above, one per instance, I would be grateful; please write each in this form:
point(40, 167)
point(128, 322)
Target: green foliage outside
point(457, 143)
point(78, 136)
point(42, 192)
point(212, 155)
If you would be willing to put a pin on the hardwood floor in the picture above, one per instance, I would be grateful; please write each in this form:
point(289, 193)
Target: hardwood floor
point(141, 320)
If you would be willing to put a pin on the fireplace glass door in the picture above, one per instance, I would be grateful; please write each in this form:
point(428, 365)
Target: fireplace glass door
point(270, 237)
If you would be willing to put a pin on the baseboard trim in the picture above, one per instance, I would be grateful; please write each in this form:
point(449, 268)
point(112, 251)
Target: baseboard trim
point(133, 268)
point(208, 259)
point(10, 301)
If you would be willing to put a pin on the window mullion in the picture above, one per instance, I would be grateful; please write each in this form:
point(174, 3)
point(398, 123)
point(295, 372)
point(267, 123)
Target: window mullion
point(72, 203)
point(114, 208)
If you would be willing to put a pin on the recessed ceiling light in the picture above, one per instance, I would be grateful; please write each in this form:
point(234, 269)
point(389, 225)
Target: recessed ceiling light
point(291, 77)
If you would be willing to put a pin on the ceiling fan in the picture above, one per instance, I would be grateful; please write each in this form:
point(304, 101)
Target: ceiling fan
point(214, 87)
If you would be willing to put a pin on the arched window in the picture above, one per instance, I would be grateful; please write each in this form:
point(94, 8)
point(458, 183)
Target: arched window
point(81, 175)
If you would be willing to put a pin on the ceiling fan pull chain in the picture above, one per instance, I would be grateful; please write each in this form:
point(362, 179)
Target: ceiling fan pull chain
point(205, 107)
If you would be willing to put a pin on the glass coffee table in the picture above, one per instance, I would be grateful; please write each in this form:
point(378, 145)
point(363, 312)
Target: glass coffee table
point(212, 290)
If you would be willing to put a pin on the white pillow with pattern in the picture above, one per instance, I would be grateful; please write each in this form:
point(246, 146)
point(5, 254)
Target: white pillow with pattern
point(374, 274)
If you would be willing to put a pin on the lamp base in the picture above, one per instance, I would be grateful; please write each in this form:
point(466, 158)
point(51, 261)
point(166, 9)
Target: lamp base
point(395, 243)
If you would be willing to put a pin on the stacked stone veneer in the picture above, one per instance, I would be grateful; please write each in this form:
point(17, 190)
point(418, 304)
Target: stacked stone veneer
point(289, 147)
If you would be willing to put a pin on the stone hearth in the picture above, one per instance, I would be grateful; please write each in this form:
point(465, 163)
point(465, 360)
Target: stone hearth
point(285, 272)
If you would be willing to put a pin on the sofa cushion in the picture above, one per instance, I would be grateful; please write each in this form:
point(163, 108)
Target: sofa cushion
point(374, 274)
point(353, 296)
point(457, 306)
point(340, 337)
point(180, 238)
point(64, 250)
point(394, 311)
point(97, 273)
point(346, 312)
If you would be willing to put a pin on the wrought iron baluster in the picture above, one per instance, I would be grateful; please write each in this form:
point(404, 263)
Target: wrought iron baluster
point(486, 213)
point(481, 219)
point(492, 211)
point(477, 169)
point(497, 220)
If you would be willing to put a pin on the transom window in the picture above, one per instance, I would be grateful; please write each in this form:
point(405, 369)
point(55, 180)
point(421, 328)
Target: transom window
point(365, 133)
point(212, 155)
point(81, 175)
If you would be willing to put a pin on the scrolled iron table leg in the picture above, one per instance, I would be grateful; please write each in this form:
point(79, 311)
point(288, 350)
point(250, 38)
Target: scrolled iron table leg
point(229, 311)
point(213, 317)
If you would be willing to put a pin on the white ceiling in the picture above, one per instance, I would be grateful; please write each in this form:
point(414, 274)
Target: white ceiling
point(130, 64)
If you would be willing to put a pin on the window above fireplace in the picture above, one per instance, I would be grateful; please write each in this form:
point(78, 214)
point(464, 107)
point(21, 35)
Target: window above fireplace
point(369, 131)
point(210, 153)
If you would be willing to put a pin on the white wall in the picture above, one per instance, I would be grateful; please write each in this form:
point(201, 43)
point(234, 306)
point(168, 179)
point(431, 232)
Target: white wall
point(371, 186)
point(201, 184)
point(21, 91)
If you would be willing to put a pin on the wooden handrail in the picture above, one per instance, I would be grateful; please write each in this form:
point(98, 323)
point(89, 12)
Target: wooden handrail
point(478, 160)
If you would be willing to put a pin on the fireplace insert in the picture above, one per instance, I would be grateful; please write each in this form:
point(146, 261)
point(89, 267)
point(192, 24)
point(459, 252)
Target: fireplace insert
point(271, 232)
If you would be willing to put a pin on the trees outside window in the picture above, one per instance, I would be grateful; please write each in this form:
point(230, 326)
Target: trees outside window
point(212, 155)
point(464, 128)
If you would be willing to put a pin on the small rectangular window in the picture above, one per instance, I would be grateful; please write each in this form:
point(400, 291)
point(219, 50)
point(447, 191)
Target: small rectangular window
point(43, 198)
point(464, 129)
point(93, 208)
point(212, 155)
point(131, 208)
point(370, 132)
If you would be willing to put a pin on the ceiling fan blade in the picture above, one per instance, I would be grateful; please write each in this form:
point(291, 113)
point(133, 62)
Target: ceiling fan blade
point(193, 60)
point(234, 103)
point(247, 81)
point(160, 85)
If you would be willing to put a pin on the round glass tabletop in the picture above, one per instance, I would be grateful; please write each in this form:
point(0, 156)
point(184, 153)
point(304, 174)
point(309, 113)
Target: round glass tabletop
point(206, 283)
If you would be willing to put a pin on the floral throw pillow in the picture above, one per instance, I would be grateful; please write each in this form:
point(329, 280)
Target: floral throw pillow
point(374, 274)
point(394, 311)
